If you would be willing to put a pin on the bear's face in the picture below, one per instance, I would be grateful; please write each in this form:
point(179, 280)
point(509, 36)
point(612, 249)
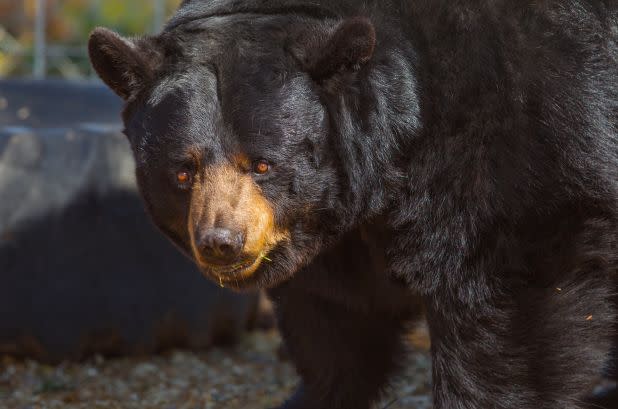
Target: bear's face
point(231, 136)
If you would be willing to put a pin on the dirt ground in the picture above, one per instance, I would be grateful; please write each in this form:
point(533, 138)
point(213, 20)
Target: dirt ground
point(248, 376)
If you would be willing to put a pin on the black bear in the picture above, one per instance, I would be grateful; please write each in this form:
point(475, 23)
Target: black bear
point(471, 145)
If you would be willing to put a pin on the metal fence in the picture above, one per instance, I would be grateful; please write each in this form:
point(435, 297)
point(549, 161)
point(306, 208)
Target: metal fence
point(43, 56)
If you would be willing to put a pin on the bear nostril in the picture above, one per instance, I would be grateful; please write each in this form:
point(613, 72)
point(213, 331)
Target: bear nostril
point(222, 244)
point(226, 249)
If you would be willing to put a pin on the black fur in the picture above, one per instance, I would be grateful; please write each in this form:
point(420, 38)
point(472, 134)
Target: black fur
point(347, 358)
point(482, 135)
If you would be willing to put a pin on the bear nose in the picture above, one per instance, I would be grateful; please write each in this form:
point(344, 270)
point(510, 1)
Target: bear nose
point(223, 245)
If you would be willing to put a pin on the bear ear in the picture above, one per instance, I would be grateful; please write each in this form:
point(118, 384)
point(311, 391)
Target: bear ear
point(349, 47)
point(121, 63)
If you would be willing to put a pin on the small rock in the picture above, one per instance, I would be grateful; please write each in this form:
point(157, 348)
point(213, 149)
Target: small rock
point(23, 113)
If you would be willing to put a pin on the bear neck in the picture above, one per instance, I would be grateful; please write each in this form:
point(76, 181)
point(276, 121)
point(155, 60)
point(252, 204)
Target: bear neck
point(374, 121)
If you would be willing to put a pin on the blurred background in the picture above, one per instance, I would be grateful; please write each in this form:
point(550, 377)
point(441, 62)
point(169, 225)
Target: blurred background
point(42, 38)
point(97, 309)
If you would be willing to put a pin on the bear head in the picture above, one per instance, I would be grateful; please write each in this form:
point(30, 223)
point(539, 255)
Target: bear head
point(231, 120)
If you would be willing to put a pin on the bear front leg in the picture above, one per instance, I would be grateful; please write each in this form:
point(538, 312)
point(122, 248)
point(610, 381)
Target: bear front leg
point(344, 357)
point(527, 348)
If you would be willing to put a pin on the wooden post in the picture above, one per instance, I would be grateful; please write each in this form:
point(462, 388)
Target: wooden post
point(159, 15)
point(40, 52)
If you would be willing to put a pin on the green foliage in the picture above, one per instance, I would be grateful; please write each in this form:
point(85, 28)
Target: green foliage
point(69, 23)
point(127, 17)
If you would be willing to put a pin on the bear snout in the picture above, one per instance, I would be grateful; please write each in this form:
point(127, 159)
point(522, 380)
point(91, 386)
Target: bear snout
point(220, 246)
point(231, 224)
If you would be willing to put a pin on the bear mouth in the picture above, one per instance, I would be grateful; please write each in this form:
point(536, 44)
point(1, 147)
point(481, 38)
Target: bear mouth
point(231, 274)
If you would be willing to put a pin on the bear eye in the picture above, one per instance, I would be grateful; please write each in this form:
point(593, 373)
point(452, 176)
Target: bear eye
point(184, 178)
point(261, 167)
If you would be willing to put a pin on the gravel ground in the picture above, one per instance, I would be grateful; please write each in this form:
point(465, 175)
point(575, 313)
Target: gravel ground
point(249, 376)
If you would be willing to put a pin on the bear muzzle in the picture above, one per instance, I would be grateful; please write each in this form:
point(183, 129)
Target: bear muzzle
point(231, 225)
